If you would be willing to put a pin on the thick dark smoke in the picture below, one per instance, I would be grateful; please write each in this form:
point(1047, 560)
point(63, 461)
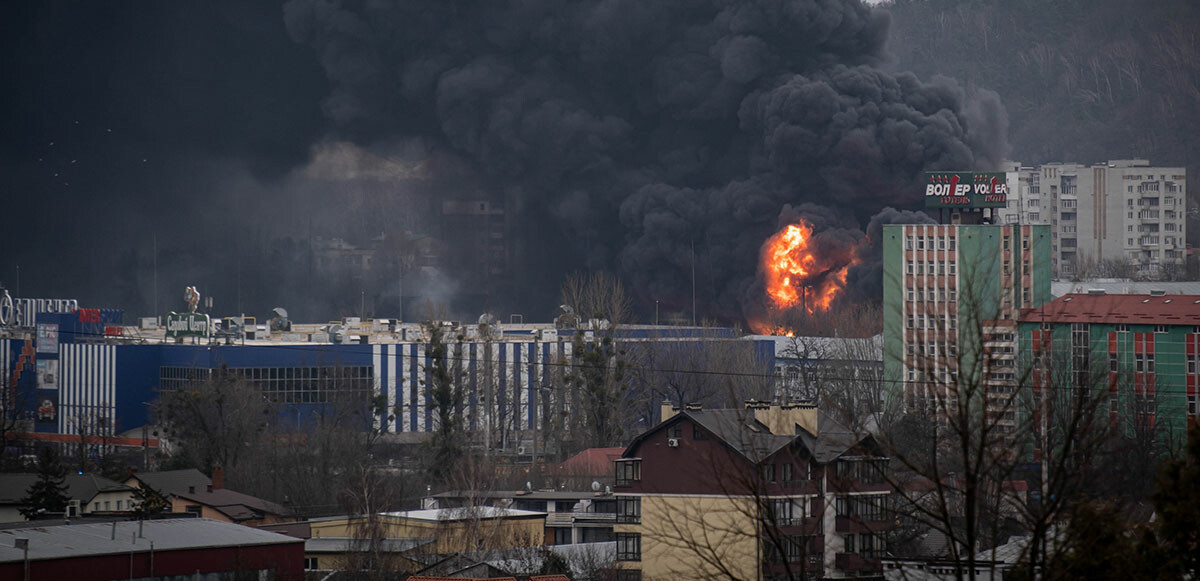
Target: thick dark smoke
point(659, 137)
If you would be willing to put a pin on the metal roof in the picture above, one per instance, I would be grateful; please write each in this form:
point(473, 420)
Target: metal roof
point(1106, 308)
point(82, 487)
point(85, 540)
point(453, 514)
point(173, 481)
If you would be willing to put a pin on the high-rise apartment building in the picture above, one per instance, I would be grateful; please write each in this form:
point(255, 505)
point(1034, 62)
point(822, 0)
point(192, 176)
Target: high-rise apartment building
point(1121, 218)
point(952, 297)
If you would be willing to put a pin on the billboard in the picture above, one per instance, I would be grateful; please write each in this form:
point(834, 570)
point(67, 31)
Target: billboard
point(188, 325)
point(47, 373)
point(47, 338)
point(964, 189)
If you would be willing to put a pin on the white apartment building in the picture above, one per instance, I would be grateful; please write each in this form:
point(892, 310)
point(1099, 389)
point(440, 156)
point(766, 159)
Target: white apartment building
point(1123, 211)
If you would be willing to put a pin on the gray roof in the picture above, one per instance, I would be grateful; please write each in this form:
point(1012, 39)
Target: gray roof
point(82, 487)
point(1110, 286)
point(752, 439)
point(739, 429)
point(233, 504)
point(174, 481)
point(518, 494)
point(82, 540)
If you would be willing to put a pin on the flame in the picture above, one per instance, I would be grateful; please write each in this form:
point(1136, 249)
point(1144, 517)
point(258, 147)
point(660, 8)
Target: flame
point(795, 276)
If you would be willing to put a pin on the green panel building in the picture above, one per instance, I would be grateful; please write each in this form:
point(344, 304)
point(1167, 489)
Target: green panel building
point(952, 297)
point(1142, 349)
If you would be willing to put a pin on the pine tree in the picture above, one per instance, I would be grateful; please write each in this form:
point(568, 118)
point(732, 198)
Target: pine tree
point(148, 502)
point(48, 494)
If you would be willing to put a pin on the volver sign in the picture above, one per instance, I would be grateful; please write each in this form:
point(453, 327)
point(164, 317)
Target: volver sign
point(965, 189)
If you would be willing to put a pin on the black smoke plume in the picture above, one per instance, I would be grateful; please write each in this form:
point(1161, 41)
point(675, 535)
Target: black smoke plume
point(655, 137)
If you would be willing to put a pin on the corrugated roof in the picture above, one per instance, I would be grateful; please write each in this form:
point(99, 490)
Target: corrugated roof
point(82, 540)
point(1134, 309)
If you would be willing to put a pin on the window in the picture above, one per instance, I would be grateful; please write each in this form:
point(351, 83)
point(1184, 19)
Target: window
point(781, 511)
point(562, 536)
point(310, 563)
point(908, 245)
point(1160, 328)
point(106, 505)
point(698, 433)
point(1193, 406)
point(629, 509)
point(1123, 328)
point(676, 430)
point(785, 472)
point(849, 543)
point(953, 267)
point(629, 547)
point(768, 473)
point(628, 471)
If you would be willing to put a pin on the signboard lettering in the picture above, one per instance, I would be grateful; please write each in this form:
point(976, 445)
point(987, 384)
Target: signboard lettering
point(966, 190)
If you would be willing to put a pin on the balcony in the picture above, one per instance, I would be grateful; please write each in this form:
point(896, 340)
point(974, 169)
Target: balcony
point(856, 562)
point(808, 525)
point(855, 524)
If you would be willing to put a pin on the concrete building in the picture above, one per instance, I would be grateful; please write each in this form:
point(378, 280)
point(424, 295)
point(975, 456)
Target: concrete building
point(756, 491)
point(952, 294)
point(453, 530)
point(1144, 349)
point(1105, 217)
point(105, 375)
point(572, 517)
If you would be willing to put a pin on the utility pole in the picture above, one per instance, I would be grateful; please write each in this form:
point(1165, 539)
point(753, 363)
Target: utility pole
point(155, 247)
point(693, 282)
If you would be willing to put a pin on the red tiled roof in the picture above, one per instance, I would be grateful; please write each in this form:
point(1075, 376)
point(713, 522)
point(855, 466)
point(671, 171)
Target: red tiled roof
point(1136, 309)
point(590, 462)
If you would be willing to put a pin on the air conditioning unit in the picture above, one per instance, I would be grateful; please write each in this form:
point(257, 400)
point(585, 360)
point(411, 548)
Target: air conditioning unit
point(672, 442)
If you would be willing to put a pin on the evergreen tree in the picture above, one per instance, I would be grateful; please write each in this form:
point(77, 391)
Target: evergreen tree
point(148, 502)
point(49, 493)
point(1178, 508)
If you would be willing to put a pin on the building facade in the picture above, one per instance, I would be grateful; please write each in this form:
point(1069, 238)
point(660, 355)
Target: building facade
point(764, 492)
point(952, 294)
point(1143, 349)
point(1120, 218)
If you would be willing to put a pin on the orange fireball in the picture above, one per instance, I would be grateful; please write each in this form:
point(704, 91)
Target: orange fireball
point(795, 276)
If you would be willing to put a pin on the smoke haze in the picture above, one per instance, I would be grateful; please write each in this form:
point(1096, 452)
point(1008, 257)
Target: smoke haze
point(660, 140)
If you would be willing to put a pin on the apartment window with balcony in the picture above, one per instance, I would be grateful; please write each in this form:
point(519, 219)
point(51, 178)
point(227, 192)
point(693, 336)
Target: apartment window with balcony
point(629, 509)
point(628, 471)
point(629, 547)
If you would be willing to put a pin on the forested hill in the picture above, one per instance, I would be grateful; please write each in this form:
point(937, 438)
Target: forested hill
point(1083, 80)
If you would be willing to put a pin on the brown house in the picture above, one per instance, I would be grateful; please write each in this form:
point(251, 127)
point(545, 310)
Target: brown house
point(218, 503)
point(764, 492)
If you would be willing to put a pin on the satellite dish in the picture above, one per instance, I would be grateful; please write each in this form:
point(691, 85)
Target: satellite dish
point(280, 312)
point(595, 486)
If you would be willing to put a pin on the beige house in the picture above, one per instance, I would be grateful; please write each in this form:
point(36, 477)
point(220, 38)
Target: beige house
point(453, 530)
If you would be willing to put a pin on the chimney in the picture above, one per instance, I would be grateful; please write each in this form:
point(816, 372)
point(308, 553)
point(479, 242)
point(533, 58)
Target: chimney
point(668, 411)
point(218, 478)
point(783, 420)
